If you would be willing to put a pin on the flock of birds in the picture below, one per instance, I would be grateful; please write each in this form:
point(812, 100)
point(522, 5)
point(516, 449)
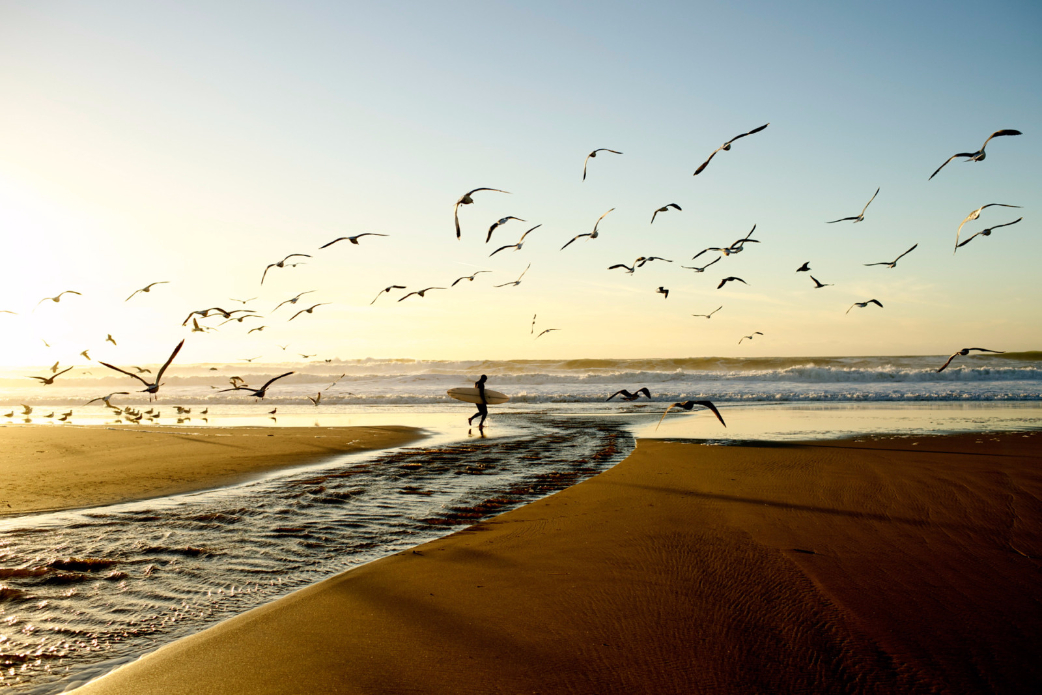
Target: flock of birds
point(153, 383)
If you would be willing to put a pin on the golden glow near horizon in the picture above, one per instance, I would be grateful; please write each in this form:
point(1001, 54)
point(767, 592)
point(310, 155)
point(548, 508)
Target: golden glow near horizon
point(130, 158)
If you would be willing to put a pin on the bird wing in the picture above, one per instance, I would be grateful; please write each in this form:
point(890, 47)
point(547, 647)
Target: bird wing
point(722, 283)
point(709, 264)
point(876, 302)
point(70, 368)
point(508, 246)
point(266, 272)
point(407, 296)
point(1000, 352)
point(296, 315)
point(620, 265)
point(1001, 205)
point(301, 255)
point(1007, 224)
point(699, 254)
point(131, 296)
point(159, 374)
point(455, 214)
point(470, 193)
point(841, 220)
point(653, 215)
point(851, 307)
point(699, 171)
point(741, 281)
point(960, 154)
point(645, 391)
point(868, 203)
point(615, 394)
point(674, 205)
point(667, 411)
point(126, 372)
point(359, 236)
point(272, 381)
point(968, 240)
point(945, 365)
point(868, 264)
point(709, 404)
point(332, 242)
point(751, 132)
point(526, 233)
point(585, 161)
point(462, 278)
point(715, 310)
point(580, 236)
point(41, 378)
point(906, 253)
point(523, 272)
point(998, 134)
point(599, 220)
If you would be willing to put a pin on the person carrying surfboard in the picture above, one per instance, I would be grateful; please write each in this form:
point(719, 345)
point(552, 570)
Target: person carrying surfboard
point(483, 405)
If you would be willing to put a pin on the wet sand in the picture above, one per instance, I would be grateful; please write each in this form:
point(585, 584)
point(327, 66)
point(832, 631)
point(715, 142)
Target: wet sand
point(873, 565)
point(49, 468)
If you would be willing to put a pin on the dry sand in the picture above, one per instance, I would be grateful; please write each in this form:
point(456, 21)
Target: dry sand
point(877, 566)
point(44, 468)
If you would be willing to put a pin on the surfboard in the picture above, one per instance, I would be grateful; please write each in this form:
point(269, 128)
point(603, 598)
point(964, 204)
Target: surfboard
point(470, 395)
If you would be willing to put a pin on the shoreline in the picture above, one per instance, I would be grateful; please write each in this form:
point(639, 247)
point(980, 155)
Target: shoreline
point(868, 565)
point(48, 469)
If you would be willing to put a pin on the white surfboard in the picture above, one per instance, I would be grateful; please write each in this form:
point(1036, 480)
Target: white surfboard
point(470, 395)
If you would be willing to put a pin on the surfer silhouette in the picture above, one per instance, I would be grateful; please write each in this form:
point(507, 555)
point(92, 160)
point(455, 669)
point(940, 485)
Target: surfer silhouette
point(483, 405)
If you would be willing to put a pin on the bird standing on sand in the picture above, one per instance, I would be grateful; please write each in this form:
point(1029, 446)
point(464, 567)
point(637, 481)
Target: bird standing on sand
point(710, 314)
point(258, 393)
point(469, 277)
point(307, 311)
point(979, 154)
point(893, 263)
point(729, 279)
point(627, 396)
point(966, 351)
point(749, 337)
point(593, 155)
point(147, 288)
point(466, 199)
point(726, 147)
point(592, 235)
point(353, 239)
point(152, 388)
point(282, 263)
point(420, 292)
point(663, 291)
point(858, 218)
point(975, 214)
point(804, 268)
point(862, 305)
point(517, 246)
point(688, 405)
point(664, 208)
point(988, 231)
point(499, 223)
point(48, 380)
point(58, 297)
point(819, 285)
point(517, 282)
point(386, 289)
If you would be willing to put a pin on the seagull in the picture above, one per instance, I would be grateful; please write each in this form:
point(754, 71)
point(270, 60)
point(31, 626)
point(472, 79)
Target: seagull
point(353, 239)
point(258, 393)
point(594, 154)
point(152, 388)
point(975, 214)
point(196, 328)
point(804, 268)
point(281, 347)
point(258, 328)
point(663, 291)
point(469, 277)
point(727, 146)
point(316, 399)
point(648, 259)
point(736, 246)
point(110, 339)
point(240, 319)
point(106, 398)
point(204, 313)
point(26, 409)
point(336, 382)
point(250, 359)
point(533, 324)
point(58, 298)
point(466, 199)
point(749, 337)
point(499, 222)
point(420, 292)
point(979, 154)
point(545, 332)
point(864, 304)
point(894, 262)
point(244, 302)
point(233, 379)
point(517, 246)
point(315, 354)
point(85, 355)
point(987, 232)
point(307, 311)
point(860, 217)
point(517, 282)
point(54, 367)
point(664, 208)
point(966, 351)
point(703, 268)
point(147, 288)
point(282, 263)
point(272, 411)
point(592, 235)
point(386, 289)
point(292, 300)
point(726, 280)
point(48, 380)
point(629, 269)
point(710, 314)
point(819, 285)
point(627, 396)
point(688, 405)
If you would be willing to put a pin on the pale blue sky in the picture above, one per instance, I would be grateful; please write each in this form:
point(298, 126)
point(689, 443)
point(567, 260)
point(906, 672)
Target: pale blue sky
point(197, 144)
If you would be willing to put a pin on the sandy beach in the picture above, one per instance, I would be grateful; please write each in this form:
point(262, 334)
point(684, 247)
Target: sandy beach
point(877, 564)
point(51, 468)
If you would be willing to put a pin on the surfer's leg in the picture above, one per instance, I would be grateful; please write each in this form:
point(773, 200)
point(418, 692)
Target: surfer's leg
point(483, 412)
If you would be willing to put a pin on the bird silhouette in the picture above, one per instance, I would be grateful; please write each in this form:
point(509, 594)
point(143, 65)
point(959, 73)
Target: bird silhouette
point(258, 393)
point(627, 396)
point(147, 288)
point(979, 154)
point(466, 199)
point(593, 155)
point(688, 405)
point(664, 208)
point(726, 147)
point(353, 239)
point(966, 351)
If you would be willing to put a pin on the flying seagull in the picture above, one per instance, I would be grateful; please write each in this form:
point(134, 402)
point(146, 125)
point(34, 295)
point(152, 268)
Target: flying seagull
point(663, 291)
point(258, 329)
point(862, 305)
point(545, 332)
point(648, 259)
point(628, 268)
point(498, 223)
point(688, 405)
point(592, 235)
point(727, 146)
point(987, 232)
point(975, 214)
point(726, 280)
point(469, 277)
point(110, 339)
point(316, 399)
point(703, 268)
point(147, 288)
point(85, 355)
point(54, 367)
point(282, 263)
point(710, 314)
point(749, 337)
point(353, 239)
point(152, 388)
point(57, 298)
point(858, 218)
point(106, 398)
point(292, 300)
point(893, 263)
point(386, 289)
point(48, 380)
point(804, 268)
point(664, 208)
point(517, 246)
point(420, 292)
point(244, 302)
point(533, 324)
point(966, 351)
point(466, 199)
point(307, 311)
point(627, 396)
point(819, 285)
point(979, 154)
point(259, 393)
point(517, 282)
point(196, 328)
point(594, 154)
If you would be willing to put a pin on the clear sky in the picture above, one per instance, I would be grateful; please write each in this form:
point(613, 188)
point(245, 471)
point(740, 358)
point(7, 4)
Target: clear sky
point(197, 142)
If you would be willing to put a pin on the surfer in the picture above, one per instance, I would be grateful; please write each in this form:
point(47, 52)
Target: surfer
point(483, 405)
